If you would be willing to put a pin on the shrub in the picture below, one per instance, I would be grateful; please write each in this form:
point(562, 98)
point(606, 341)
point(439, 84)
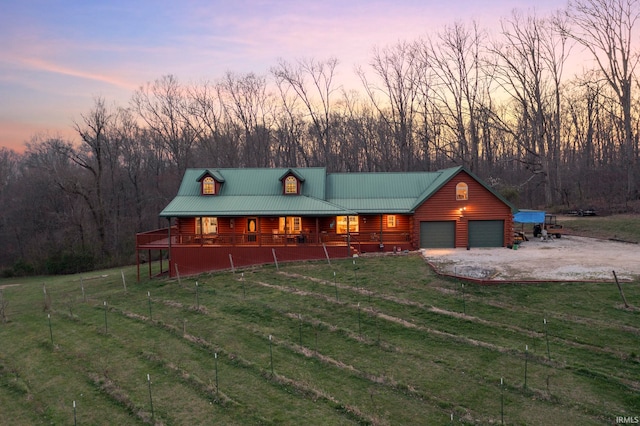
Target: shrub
point(22, 268)
point(69, 263)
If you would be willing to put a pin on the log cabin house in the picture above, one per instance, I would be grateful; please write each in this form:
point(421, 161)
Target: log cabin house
point(226, 218)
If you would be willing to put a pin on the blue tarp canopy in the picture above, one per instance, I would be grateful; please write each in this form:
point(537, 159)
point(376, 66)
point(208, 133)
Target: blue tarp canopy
point(529, 216)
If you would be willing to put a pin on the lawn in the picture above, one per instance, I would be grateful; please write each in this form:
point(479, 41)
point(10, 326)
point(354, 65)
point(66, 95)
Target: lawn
point(373, 340)
point(620, 227)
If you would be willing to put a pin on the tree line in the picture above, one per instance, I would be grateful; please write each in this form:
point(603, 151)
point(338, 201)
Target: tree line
point(511, 106)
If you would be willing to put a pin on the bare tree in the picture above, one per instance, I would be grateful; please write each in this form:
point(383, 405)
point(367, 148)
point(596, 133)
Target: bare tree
point(312, 82)
point(291, 149)
point(525, 72)
point(250, 105)
point(215, 142)
point(9, 176)
point(51, 180)
point(134, 152)
point(163, 107)
point(606, 29)
point(93, 158)
point(457, 64)
point(396, 99)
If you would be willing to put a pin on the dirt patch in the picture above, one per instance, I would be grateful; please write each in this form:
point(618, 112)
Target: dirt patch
point(569, 258)
point(2, 287)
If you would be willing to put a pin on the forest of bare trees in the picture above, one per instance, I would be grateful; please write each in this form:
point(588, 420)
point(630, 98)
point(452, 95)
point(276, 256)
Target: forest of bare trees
point(544, 108)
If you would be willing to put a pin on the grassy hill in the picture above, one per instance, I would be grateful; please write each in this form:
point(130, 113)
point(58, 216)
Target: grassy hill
point(379, 341)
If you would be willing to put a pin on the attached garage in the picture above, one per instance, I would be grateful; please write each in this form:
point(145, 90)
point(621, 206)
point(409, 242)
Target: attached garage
point(438, 234)
point(486, 233)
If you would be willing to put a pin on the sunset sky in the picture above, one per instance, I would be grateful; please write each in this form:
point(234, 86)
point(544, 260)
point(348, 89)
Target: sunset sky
point(57, 56)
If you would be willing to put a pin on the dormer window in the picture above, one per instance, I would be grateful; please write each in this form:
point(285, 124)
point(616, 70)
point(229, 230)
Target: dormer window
point(462, 191)
point(291, 185)
point(210, 182)
point(208, 186)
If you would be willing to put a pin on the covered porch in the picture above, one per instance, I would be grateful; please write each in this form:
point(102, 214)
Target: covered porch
point(240, 241)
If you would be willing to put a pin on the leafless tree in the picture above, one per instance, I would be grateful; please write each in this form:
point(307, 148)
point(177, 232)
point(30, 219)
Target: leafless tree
point(95, 155)
point(290, 148)
point(9, 177)
point(215, 143)
point(607, 29)
point(526, 72)
point(312, 82)
point(396, 99)
point(163, 107)
point(455, 59)
point(249, 104)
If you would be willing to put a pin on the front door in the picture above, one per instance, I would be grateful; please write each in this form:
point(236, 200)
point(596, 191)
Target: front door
point(252, 229)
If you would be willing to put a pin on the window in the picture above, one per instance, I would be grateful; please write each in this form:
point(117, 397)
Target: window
point(206, 225)
point(462, 191)
point(208, 186)
point(290, 225)
point(341, 224)
point(391, 221)
point(291, 185)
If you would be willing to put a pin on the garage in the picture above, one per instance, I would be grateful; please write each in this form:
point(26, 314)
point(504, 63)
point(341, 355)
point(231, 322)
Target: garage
point(440, 234)
point(486, 233)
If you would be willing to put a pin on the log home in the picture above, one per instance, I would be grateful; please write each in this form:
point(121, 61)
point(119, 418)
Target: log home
point(225, 218)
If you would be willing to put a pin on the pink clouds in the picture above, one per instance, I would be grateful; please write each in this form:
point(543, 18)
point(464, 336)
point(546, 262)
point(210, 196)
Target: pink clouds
point(59, 56)
point(45, 66)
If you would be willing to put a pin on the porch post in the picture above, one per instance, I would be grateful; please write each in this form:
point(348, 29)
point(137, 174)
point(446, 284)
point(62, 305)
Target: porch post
point(286, 231)
point(169, 253)
point(381, 243)
point(348, 237)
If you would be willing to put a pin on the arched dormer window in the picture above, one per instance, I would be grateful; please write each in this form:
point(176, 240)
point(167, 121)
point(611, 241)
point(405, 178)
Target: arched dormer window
point(208, 186)
point(291, 185)
point(462, 191)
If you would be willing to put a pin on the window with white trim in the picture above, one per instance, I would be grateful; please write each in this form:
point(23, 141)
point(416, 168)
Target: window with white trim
point(206, 225)
point(208, 186)
point(391, 221)
point(462, 191)
point(290, 225)
point(291, 185)
point(343, 221)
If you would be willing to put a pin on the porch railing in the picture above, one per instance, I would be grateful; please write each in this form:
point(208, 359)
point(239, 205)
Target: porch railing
point(160, 236)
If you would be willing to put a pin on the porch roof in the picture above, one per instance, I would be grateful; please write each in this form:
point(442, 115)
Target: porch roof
point(248, 205)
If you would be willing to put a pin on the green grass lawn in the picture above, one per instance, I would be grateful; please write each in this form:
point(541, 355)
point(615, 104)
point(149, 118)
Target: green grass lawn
point(622, 227)
point(383, 341)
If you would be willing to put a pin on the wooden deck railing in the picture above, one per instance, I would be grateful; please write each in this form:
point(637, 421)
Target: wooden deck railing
point(160, 237)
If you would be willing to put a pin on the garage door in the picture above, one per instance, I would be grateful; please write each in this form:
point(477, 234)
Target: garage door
point(437, 234)
point(486, 233)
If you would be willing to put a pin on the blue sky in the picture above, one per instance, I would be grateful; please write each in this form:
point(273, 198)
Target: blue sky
point(57, 56)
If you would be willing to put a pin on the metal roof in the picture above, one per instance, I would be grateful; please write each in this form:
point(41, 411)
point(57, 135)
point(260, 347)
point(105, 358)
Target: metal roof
point(384, 192)
point(242, 205)
point(254, 181)
point(258, 191)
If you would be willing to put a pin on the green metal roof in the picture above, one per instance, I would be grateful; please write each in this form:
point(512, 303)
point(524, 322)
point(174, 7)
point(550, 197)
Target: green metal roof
point(242, 205)
point(253, 191)
point(255, 181)
point(384, 192)
point(259, 192)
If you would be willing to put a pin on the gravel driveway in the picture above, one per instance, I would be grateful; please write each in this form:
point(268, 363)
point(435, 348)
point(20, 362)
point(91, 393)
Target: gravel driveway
point(569, 258)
